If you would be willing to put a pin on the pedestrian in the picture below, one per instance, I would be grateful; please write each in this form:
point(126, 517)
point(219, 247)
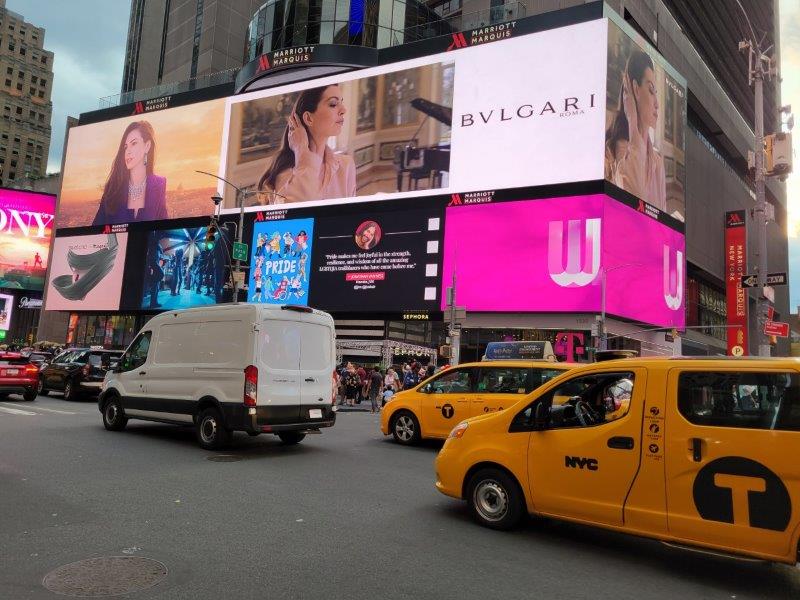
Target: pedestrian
point(387, 394)
point(352, 384)
point(374, 385)
point(410, 380)
point(391, 379)
point(362, 374)
point(430, 370)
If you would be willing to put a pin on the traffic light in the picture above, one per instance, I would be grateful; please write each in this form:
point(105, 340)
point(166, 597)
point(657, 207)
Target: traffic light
point(211, 236)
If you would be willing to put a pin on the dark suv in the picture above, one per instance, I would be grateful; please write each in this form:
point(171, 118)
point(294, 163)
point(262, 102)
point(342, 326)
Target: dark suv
point(77, 371)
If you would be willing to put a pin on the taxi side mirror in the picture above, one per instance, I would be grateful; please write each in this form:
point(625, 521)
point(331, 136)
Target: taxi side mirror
point(541, 417)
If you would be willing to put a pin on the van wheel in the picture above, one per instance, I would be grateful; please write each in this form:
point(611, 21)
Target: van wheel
point(41, 389)
point(211, 432)
point(290, 438)
point(29, 395)
point(405, 428)
point(495, 499)
point(113, 416)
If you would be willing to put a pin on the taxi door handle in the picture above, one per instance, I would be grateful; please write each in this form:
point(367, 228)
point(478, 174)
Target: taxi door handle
point(621, 443)
point(697, 453)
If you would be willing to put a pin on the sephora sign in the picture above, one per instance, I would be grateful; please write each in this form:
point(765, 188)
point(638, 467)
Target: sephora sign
point(557, 255)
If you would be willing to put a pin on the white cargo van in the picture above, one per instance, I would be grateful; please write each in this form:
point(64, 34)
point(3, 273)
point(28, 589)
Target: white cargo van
point(236, 367)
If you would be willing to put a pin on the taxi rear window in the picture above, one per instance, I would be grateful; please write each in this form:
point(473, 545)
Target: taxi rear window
point(750, 400)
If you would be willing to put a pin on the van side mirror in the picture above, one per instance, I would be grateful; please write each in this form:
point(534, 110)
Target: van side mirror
point(541, 417)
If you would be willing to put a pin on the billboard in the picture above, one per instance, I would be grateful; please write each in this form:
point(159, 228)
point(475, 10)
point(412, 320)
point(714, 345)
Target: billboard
point(86, 272)
point(280, 262)
point(561, 255)
point(181, 272)
point(142, 167)
point(378, 259)
point(735, 269)
point(26, 225)
point(6, 309)
point(645, 123)
point(485, 117)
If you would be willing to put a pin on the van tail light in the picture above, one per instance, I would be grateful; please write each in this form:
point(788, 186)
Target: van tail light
point(87, 368)
point(333, 388)
point(250, 386)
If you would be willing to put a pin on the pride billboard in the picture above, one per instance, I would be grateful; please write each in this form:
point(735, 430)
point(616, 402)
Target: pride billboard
point(561, 255)
point(26, 224)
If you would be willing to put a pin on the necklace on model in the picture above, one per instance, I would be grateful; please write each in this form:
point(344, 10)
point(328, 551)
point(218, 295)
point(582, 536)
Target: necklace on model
point(136, 190)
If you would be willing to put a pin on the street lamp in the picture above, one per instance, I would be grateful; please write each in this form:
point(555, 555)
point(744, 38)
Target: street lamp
point(240, 198)
point(603, 273)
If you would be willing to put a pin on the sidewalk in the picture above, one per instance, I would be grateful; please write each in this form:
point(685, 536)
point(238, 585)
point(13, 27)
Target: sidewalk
point(365, 406)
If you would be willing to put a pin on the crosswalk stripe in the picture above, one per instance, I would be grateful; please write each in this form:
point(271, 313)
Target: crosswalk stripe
point(14, 411)
point(52, 410)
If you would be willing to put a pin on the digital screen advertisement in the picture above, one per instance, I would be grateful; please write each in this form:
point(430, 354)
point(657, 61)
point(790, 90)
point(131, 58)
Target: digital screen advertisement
point(280, 262)
point(557, 255)
point(26, 225)
point(379, 259)
point(645, 124)
point(86, 272)
point(6, 309)
point(181, 272)
point(142, 167)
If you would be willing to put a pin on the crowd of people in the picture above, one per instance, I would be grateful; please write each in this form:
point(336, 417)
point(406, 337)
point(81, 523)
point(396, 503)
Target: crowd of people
point(357, 383)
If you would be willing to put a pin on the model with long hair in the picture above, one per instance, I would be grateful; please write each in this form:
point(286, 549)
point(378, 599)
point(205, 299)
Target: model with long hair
point(631, 161)
point(305, 168)
point(133, 192)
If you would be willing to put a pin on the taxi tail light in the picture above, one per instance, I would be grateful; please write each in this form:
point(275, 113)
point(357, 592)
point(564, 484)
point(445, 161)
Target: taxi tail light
point(250, 386)
point(459, 430)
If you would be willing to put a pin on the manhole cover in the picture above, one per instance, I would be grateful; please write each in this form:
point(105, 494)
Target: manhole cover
point(105, 576)
point(224, 458)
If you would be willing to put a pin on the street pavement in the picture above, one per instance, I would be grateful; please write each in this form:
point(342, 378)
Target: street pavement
point(346, 514)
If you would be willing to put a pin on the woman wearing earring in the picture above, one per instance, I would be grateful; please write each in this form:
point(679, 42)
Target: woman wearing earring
point(305, 168)
point(133, 192)
point(632, 162)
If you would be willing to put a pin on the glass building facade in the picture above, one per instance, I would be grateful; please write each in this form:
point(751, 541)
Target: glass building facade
point(373, 23)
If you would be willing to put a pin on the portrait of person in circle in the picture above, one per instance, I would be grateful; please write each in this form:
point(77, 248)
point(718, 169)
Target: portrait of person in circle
point(133, 192)
point(305, 167)
point(631, 161)
point(368, 234)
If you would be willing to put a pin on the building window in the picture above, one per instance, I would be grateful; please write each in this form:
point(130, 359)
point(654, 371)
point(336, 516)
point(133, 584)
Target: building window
point(19, 86)
point(22, 51)
point(8, 83)
point(10, 71)
point(43, 82)
point(19, 110)
point(40, 94)
point(32, 92)
point(34, 79)
point(11, 46)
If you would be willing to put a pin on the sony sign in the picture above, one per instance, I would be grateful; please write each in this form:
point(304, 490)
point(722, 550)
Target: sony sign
point(29, 223)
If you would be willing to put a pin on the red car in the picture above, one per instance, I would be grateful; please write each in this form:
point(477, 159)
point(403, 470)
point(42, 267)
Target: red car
point(18, 375)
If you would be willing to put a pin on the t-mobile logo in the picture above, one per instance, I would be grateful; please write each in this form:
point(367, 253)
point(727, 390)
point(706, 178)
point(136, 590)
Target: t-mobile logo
point(673, 280)
point(582, 250)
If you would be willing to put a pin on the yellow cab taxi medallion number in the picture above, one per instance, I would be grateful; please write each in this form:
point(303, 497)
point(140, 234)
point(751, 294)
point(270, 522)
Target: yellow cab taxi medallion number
point(700, 452)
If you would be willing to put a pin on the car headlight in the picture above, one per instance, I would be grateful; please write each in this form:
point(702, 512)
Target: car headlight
point(458, 430)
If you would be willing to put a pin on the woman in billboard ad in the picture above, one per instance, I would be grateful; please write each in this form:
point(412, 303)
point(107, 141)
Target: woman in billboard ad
point(133, 192)
point(642, 137)
point(305, 167)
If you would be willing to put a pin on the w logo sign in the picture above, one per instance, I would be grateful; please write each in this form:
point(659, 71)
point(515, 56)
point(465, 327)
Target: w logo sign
point(673, 280)
point(138, 108)
point(459, 41)
point(582, 250)
point(263, 63)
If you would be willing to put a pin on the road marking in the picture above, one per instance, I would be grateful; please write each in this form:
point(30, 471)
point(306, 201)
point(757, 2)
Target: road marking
point(14, 411)
point(52, 410)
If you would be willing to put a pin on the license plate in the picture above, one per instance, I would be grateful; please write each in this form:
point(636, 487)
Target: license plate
point(10, 372)
point(315, 413)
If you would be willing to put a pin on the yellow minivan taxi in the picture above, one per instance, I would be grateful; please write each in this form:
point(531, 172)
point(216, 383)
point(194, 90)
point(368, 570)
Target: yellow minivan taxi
point(699, 452)
point(432, 408)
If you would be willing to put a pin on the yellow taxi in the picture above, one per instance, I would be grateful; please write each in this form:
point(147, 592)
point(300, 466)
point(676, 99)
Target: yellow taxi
point(696, 452)
point(432, 408)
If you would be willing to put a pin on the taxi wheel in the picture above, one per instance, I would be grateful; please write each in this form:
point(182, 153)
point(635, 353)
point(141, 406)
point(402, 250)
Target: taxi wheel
point(495, 499)
point(405, 428)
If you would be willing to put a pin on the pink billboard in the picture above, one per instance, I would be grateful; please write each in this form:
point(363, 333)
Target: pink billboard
point(557, 254)
point(26, 224)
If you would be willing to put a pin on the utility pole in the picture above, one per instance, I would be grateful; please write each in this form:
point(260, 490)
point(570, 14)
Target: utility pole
point(759, 66)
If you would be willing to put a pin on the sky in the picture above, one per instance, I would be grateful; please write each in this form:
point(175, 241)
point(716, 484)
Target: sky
point(89, 54)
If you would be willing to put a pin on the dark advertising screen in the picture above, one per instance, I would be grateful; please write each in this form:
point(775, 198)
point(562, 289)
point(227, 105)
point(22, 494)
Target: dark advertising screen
point(377, 258)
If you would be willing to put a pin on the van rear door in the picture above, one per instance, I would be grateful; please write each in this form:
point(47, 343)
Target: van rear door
point(316, 366)
point(279, 372)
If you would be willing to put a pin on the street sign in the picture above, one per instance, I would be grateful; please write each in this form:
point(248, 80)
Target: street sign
point(751, 281)
point(776, 328)
point(239, 251)
point(238, 277)
point(461, 312)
